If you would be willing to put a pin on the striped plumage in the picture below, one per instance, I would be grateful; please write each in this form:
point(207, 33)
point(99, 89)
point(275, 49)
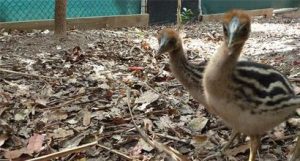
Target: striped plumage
point(189, 74)
point(250, 97)
point(262, 87)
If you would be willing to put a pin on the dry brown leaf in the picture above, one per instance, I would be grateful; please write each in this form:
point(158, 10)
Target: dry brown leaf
point(3, 138)
point(197, 124)
point(237, 150)
point(35, 143)
point(164, 122)
point(148, 124)
point(61, 133)
point(294, 122)
point(86, 117)
point(269, 157)
point(199, 139)
point(296, 89)
point(146, 98)
point(15, 153)
point(74, 141)
point(144, 145)
point(55, 116)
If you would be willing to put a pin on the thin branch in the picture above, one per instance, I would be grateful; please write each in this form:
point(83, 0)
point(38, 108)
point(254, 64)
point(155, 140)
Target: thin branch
point(115, 151)
point(77, 149)
point(28, 75)
point(173, 138)
point(68, 102)
point(64, 152)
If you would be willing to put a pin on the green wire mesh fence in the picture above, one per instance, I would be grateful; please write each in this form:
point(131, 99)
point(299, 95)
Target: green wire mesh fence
point(25, 10)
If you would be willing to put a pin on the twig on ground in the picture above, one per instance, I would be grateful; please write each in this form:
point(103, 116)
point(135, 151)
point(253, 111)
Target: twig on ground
point(67, 102)
point(115, 151)
point(78, 149)
point(173, 138)
point(64, 152)
point(29, 75)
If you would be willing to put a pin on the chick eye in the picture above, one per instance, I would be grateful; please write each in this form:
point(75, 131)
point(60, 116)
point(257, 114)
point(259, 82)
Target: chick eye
point(225, 30)
point(244, 31)
point(172, 41)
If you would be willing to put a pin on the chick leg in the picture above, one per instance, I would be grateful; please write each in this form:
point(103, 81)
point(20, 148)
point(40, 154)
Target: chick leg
point(296, 155)
point(254, 146)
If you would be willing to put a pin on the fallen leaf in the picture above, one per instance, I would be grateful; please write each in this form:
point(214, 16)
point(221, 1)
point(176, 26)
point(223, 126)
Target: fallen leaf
point(199, 139)
point(20, 116)
point(56, 116)
point(86, 117)
point(148, 124)
point(15, 153)
point(35, 143)
point(294, 122)
point(269, 157)
point(198, 123)
point(164, 122)
point(74, 141)
point(3, 138)
point(144, 145)
point(61, 133)
point(72, 121)
point(237, 150)
point(145, 99)
point(296, 89)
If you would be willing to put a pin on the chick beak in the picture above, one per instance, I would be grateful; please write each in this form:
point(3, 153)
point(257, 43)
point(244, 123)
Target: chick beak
point(159, 50)
point(233, 27)
point(230, 40)
point(161, 47)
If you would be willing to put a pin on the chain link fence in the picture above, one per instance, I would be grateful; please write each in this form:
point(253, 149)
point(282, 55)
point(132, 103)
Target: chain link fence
point(25, 10)
point(220, 6)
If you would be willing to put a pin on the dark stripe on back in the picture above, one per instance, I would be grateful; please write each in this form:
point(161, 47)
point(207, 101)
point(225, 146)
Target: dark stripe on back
point(263, 79)
point(244, 97)
point(254, 64)
point(261, 93)
point(273, 103)
point(192, 71)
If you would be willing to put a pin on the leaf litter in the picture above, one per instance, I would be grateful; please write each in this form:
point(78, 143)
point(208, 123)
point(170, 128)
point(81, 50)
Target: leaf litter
point(58, 94)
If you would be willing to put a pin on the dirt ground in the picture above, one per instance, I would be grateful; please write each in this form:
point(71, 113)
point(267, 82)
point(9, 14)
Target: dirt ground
point(56, 94)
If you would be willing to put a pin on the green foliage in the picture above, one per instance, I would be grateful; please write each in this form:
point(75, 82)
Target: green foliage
point(186, 15)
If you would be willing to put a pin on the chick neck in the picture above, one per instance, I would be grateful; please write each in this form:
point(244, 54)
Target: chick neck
point(222, 64)
point(230, 55)
point(189, 75)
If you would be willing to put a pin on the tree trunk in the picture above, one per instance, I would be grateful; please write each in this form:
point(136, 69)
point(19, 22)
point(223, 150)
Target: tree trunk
point(178, 14)
point(60, 17)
